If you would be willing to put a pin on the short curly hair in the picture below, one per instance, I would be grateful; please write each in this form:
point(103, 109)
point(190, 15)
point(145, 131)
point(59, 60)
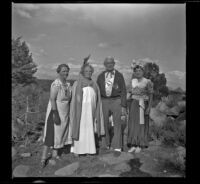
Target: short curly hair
point(61, 66)
point(86, 65)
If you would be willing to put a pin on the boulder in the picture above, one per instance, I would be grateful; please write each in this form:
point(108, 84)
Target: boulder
point(162, 107)
point(174, 111)
point(111, 159)
point(158, 117)
point(67, 170)
point(21, 171)
point(182, 105)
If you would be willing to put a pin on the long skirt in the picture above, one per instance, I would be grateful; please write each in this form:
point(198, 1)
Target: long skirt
point(86, 143)
point(56, 136)
point(137, 133)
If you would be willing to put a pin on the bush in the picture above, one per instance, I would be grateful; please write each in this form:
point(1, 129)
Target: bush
point(170, 134)
point(21, 130)
point(177, 160)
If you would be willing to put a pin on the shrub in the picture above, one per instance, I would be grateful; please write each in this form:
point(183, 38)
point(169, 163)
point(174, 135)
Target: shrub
point(170, 134)
point(21, 130)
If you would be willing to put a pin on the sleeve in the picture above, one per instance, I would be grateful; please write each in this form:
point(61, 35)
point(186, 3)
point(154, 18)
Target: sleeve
point(55, 86)
point(123, 92)
point(150, 87)
point(98, 80)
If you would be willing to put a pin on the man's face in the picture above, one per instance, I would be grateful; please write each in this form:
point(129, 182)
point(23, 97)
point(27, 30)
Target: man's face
point(109, 64)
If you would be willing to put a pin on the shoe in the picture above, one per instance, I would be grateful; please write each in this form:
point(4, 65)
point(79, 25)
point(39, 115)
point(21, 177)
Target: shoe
point(43, 163)
point(132, 149)
point(118, 150)
point(137, 150)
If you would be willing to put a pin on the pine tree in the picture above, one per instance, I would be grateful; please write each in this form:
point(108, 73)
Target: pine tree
point(23, 67)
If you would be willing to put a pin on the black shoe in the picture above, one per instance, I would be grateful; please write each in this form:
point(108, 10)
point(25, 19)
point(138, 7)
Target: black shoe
point(43, 163)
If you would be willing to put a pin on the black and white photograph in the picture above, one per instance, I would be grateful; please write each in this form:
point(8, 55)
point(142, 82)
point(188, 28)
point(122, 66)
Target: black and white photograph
point(98, 90)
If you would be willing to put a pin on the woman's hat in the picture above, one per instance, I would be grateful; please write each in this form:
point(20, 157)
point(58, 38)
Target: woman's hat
point(136, 63)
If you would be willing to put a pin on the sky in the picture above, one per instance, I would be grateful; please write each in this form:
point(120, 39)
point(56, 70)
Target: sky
point(66, 33)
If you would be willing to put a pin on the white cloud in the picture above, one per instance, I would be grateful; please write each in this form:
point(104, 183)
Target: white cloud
point(100, 66)
point(109, 45)
point(179, 74)
point(38, 37)
point(24, 9)
point(23, 13)
point(71, 59)
point(176, 79)
point(74, 66)
point(103, 45)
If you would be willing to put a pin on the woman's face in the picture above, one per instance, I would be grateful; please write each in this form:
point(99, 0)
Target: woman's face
point(87, 72)
point(138, 73)
point(64, 72)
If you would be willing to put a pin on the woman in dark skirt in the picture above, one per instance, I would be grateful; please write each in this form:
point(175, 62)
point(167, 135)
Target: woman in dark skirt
point(141, 100)
point(57, 129)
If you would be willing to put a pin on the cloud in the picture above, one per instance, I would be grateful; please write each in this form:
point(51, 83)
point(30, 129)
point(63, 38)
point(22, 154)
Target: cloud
point(176, 73)
point(36, 51)
point(24, 10)
point(74, 66)
point(103, 45)
point(24, 14)
point(106, 45)
point(176, 79)
point(38, 37)
point(71, 59)
point(96, 14)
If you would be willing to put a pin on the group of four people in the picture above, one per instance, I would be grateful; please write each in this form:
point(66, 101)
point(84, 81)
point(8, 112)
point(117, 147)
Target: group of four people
point(75, 114)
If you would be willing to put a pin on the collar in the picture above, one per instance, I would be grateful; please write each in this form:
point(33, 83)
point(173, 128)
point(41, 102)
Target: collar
point(112, 72)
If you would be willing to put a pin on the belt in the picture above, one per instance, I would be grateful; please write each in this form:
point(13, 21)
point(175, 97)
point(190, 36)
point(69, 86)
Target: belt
point(111, 98)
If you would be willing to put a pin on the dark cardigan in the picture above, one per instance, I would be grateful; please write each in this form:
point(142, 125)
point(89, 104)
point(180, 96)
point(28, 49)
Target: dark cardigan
point(118, 90)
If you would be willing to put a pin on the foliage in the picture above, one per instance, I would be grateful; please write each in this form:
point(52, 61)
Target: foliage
point(159, 80)
point(170, 134)
point(23, 122)
point(23, 67)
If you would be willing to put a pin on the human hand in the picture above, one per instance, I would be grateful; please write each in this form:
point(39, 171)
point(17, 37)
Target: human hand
point(56, 118)
point(123, 117)
point(147, 111)
point(123, 111)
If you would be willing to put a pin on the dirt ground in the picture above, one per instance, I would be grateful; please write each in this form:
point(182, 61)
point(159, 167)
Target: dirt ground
point(150, 162)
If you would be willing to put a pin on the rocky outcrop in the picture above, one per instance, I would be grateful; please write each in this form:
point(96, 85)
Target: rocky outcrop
point(111, 159)
point(21, 171)
point(67, 170)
